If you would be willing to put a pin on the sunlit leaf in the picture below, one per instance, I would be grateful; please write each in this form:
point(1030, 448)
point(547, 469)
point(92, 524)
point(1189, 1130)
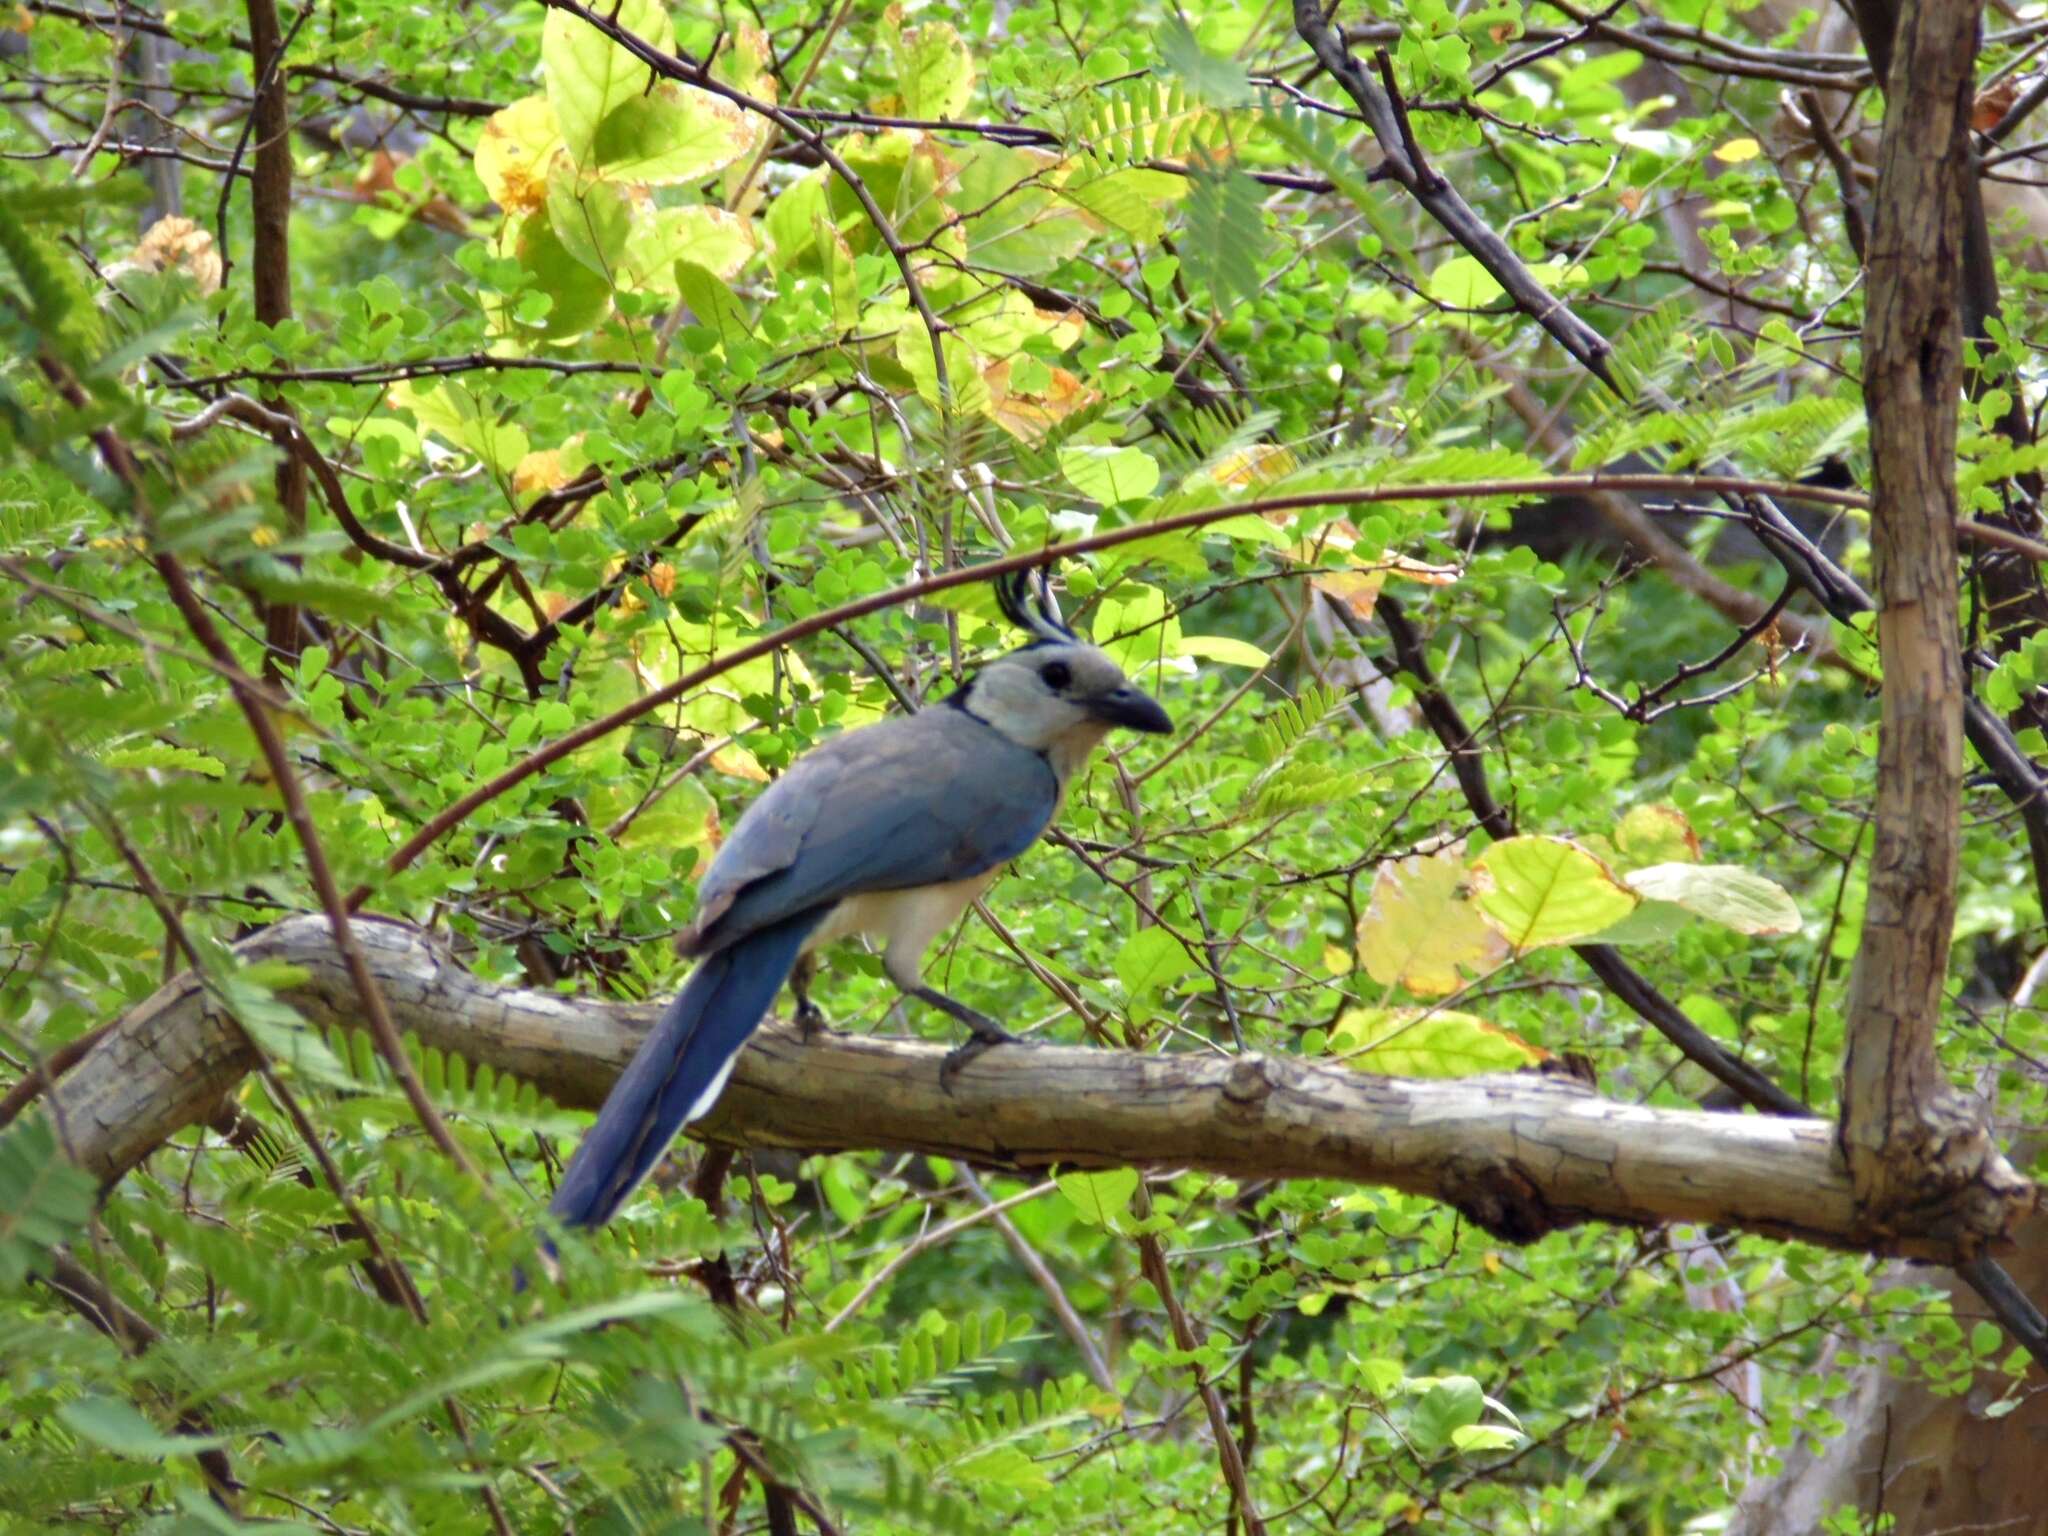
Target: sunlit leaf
point(934, 71)
point(1101, 1199)
point(673, 133)
point(1544, 890)
point(1420, 929)
point(589, 76)
point(457, 416)
point(1721, 893)
point(513, 152)
point(1108, 474)
point(1414, 1042)
point(1656, 834)
point(1151, 959)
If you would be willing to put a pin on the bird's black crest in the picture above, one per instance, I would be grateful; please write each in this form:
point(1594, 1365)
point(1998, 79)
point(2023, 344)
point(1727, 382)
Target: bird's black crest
point(1027, 602)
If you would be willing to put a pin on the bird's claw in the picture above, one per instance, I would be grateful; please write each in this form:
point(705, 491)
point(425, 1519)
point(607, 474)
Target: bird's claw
point(986, 1034)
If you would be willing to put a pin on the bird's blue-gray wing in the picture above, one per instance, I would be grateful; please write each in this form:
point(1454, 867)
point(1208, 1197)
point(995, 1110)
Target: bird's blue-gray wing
point(919, 800)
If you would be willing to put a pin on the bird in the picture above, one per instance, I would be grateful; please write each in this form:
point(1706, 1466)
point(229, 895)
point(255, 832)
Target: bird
point(891, 830)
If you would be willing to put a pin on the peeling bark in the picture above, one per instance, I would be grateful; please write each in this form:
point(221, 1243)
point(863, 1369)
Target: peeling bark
point(1908, 1139)
point(1521, 1155)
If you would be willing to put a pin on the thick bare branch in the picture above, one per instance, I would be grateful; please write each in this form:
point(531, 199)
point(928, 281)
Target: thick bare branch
point(1907, 1136)
point(1521, 1155)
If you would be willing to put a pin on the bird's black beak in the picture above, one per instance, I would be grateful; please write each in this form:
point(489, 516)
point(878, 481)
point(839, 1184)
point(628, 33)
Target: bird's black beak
point(1133, 710)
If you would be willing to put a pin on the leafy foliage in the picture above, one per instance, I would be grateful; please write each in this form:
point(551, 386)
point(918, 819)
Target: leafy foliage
point(607, 361)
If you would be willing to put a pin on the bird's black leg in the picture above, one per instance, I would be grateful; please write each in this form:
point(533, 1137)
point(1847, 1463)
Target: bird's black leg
point(809, 1016)
point(985, 1032)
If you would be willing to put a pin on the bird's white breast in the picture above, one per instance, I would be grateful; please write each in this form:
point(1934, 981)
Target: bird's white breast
point(904, 921)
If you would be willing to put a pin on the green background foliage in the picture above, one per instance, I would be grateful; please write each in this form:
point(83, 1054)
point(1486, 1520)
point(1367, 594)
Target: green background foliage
point(616, 373)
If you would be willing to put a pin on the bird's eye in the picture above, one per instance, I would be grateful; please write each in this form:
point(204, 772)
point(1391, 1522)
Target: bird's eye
point(1056, 675)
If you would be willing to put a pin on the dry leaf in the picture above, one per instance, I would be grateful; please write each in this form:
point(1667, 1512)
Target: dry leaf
point(1991, 107)
point(174, 241)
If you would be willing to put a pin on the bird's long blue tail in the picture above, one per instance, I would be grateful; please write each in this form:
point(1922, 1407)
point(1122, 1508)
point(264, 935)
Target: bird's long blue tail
point(680, 1070)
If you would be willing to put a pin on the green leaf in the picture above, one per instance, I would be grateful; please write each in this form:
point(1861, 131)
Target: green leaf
point(1485, 1437)
point(674, 133)
point(1654, 922)
point(1464, 284)
point(1226, 237)
point(1222, 82)
point(714, 304)
point(592, 219)
point(1017, 223)
point(1132, 200)
point(1451, 1404)
point(1101, 1199)
point(1544, 890)
point(578, 298)
point(457, 416)
point(116, 1426)
point(589, 76)
point(1721, 893)
point(44, 1199)
point(934, 71)
point(159, 754)
point(719, 242)
point(1110, 475)
point(1151, 959)
point(963, 369)
point(1231, 652)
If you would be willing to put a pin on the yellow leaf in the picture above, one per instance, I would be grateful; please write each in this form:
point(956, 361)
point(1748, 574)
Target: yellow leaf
point(513, 155)
point(1030, 417)
point(738, 763)
point(1254, 464)
point(1735, 151)
point(178, 243)
point(1656, 834)
point(1357, 590)
point(1545, 890)
point(1415, 1042)
point(539, 471)
point(1419, 928)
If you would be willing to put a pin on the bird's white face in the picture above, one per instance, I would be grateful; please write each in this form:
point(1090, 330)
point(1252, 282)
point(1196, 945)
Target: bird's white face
point(1061, 700)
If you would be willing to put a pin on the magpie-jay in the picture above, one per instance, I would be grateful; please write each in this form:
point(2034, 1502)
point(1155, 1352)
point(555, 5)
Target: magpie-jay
point(891, 830)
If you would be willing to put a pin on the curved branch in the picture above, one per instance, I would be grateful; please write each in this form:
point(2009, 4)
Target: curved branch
point(1386, 116)
point(459, 810)
point(1521, 1155)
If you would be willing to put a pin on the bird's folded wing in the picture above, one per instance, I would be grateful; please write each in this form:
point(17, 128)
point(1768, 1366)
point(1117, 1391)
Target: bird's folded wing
point(922, 800)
